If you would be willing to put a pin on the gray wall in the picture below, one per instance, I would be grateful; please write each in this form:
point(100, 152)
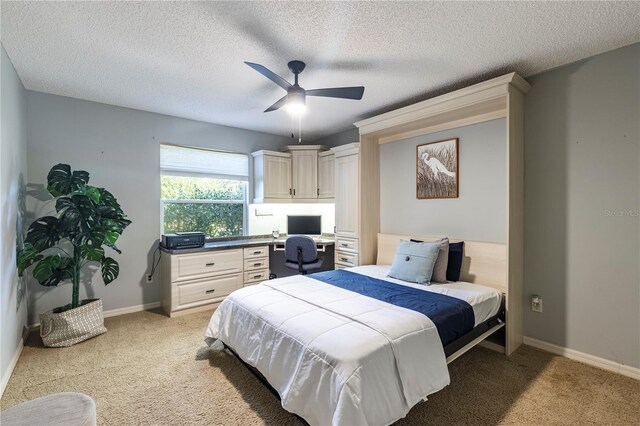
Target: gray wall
point(13, 170)
point(342, 138)
point(582, 189)
point(119, 147)
point(479, 212)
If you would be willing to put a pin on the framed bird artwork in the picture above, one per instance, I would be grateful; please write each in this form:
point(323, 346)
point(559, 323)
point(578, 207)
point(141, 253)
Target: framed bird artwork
point(437, 169)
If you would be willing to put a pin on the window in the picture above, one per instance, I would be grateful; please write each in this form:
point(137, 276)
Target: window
point(203, 190)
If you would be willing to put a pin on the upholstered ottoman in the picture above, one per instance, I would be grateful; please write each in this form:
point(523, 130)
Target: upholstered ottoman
point(68, 409)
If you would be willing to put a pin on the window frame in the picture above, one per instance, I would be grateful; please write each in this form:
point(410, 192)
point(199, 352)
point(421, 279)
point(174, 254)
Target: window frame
point(243, 179)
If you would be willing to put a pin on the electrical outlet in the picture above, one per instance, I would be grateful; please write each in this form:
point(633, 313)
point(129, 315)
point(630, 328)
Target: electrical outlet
point(536, 303)
point(149, 278)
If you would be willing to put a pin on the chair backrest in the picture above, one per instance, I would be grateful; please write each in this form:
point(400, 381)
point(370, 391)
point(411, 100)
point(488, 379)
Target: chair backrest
point(309, 248)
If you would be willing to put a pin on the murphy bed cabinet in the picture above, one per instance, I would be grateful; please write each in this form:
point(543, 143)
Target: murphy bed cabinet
point(297, 173)
point(347, 202)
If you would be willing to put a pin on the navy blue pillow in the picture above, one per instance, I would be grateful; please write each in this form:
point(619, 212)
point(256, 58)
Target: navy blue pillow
point(456, 255)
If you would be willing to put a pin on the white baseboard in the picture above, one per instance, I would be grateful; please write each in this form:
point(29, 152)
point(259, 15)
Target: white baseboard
point(12, 365)
point(131, 309)
point(592, 360)
point(116, 312)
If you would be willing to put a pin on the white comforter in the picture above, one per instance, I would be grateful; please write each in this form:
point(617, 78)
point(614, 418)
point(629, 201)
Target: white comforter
point(334, 356)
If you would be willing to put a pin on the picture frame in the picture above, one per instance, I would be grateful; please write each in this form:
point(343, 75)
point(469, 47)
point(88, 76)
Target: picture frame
point(437, 169)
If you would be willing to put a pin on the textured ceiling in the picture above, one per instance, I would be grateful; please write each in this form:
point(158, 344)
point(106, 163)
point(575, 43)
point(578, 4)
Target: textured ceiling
point(186, 58)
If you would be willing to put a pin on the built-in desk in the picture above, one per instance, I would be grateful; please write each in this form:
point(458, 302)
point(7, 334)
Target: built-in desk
point(195, 278)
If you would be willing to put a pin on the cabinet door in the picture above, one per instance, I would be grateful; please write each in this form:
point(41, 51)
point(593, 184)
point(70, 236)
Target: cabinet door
point(326, 176)
point(346, 191)
point(277, 177)
point(305, 174)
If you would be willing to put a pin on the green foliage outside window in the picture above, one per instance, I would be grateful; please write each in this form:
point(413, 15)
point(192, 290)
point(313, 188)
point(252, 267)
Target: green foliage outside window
point(214, 219)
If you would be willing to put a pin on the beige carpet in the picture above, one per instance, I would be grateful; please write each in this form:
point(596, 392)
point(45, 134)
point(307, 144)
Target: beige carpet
point(153, 370)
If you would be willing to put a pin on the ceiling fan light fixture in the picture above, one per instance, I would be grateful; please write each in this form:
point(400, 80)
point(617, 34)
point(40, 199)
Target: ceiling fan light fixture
point(296, 102)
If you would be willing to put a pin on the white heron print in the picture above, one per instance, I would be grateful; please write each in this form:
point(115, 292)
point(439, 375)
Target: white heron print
point(437, 169)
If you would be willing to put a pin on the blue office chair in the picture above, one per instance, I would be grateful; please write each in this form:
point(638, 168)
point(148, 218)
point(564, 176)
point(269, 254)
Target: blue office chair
point(301, 253)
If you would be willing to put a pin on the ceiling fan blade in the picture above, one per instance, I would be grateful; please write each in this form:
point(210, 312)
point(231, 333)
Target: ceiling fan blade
point(279, 104)
point(270, 75)
point(338, 92)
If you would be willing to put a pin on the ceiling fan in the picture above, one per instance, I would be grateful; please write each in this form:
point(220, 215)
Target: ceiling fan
point(295, 99)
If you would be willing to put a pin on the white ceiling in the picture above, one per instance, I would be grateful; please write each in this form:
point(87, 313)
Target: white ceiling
point(186, 58)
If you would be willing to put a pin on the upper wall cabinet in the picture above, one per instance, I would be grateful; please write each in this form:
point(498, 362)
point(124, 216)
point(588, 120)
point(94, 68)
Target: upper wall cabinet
point(271, 176)
point(304, 172)
point(326, 173)
point(300, 173)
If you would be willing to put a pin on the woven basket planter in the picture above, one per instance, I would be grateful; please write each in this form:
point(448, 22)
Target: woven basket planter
point(73, 326)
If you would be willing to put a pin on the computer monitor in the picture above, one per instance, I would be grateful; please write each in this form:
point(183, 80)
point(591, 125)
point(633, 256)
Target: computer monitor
point(304, 225)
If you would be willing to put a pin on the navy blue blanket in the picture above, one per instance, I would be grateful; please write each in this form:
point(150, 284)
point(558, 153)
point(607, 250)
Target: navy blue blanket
point(452, 317)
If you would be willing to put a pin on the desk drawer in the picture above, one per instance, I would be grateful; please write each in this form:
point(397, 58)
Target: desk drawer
point(209, 264)
point(346, 244)
point(255, 276)
point(253, 252)
point(258, 263)
point(208, 288)
point(346, 259)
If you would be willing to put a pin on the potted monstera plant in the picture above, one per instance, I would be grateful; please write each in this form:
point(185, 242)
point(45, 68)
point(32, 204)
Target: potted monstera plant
point(88, 220)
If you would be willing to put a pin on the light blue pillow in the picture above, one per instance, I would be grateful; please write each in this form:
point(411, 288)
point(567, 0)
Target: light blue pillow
point(414, 262)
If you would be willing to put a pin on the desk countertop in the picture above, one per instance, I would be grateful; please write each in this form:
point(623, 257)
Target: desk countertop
point(241, 242)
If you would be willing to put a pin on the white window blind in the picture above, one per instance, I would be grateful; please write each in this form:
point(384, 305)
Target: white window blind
point(222, 165)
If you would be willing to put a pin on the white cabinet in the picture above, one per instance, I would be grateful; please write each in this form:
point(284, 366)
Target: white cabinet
point(347, 202)
point(305, 173)
point(272, 176)
point(256, 265)
point(293, 174)
point(326, 174)
point(195, 280)
point(346, 193)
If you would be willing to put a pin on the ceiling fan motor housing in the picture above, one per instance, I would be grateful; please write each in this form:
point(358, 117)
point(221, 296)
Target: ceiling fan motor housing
point(296, 67)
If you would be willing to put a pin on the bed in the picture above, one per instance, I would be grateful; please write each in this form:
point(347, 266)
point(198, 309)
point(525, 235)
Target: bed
point(337, 356)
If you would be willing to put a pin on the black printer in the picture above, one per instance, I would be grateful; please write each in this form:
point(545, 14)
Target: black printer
point(181, 240)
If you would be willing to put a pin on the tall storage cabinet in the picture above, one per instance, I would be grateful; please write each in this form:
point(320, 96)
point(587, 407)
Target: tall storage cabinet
point(347, 201)
point(326, 174)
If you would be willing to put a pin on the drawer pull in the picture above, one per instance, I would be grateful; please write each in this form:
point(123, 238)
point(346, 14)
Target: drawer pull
point(344, 259)
point(257, 264)
point(257, 276)
point(209, 264)
point(210, 291)
point(344, 245)
point(257, 252)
